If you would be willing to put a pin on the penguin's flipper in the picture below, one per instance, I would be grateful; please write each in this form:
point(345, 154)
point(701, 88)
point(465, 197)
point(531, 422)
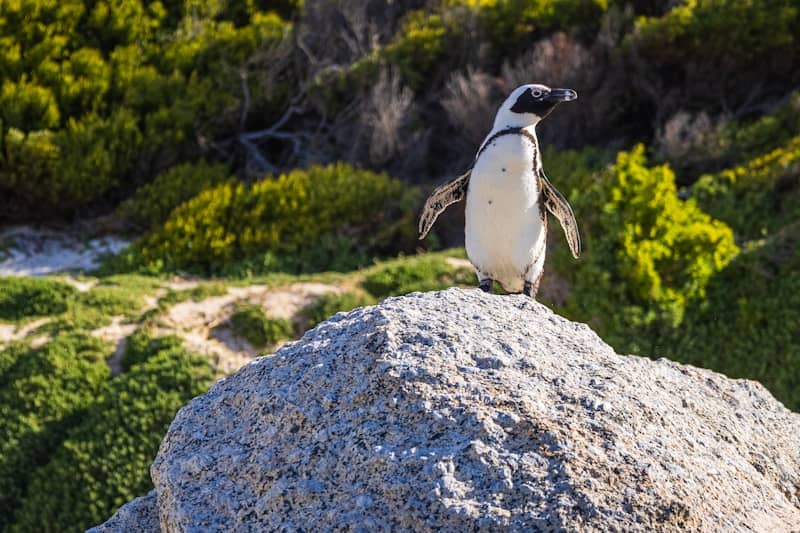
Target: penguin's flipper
point(558, 205)
point(451, 192)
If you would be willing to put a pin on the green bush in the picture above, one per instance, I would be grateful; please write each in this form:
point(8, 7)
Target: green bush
point(329, 304)
point(749, 325)
point(151, 204)
point(740, 141)
point(43, 393)
point(758, 197)
point(98, 97)
point(253, 325)
point(110, 301)
point(507, 22)
point(332, 253)
point(233, 222)
point(141, 346)
point(418, 46)
point(105, 459)
point(22, 297)
point(647, 253)
point(421, 273)
point(721, 30)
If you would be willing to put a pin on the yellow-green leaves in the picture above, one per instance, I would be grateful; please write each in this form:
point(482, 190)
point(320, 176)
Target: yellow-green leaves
point(668, 248)
point(757, 197)
point(741, 30)
point(285, 216)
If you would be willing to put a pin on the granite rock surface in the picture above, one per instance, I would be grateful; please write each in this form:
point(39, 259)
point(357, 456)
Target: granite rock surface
point(462, 411)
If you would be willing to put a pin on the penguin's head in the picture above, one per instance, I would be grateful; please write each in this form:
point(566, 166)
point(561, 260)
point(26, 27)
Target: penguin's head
point(528, 104)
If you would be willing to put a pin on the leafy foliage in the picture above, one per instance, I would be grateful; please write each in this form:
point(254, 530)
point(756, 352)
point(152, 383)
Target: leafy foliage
point(43, 393)
point(421, 273)
point(329, 304)
point(740, 29)
point(749, 325)
point(758, 197)
point(151, 204)
point(233, 222)
point(27, 297)
point(327, 253)
point(649, 253)
point(508, 21)
point(104, 460)
point(252, 324)
point(99, 94)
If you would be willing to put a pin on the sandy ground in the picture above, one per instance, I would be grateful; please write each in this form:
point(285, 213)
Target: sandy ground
point(12, 332)
point(202, 324)
point(116, 334)
point(25, 251)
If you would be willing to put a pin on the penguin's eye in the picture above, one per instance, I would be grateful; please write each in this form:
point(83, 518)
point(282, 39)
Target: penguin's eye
point(536, 93)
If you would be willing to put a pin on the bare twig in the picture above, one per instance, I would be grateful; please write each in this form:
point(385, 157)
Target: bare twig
point(246, 105)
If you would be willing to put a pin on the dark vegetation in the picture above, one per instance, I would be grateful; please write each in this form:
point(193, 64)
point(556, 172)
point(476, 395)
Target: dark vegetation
point(251, 323)
point(242, 138)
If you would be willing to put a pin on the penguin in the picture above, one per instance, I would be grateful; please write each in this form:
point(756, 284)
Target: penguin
point(508, 196)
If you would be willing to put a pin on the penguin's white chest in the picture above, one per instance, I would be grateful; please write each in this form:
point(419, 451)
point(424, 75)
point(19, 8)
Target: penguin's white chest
point(505, 233)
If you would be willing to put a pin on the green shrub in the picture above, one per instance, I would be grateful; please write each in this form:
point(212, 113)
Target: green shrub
point(331, 253)
point(232, 222)
point(329, 304)
point(151, 204)
point(141, 346)
point(758, 197)
point(749, 325)
point(22, 297)
point(507, 22)
point(253, 325)
point(98, 97)
point(741, 141)
point(66, 168)
point(647, 254)
point(104, 461)
point(418, 46)
point(43, 393)
point(28, 107)
point(110, 301)
point(721, 30)
point(421, 273)
point(195, 294)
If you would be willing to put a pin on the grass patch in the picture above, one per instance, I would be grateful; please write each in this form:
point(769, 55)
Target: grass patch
point(252, 324)
point(23, 297)
point(103, 460)
point(329, 304)
point(411, 274)
point(43, 393)
point(195, 294)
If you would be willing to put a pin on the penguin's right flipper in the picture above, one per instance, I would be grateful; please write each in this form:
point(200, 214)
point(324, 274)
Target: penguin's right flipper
point(559, 206)
point(451, 192)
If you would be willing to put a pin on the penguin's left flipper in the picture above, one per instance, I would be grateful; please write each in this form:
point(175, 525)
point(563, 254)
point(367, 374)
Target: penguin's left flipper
point(444, 195)
point(558, 205)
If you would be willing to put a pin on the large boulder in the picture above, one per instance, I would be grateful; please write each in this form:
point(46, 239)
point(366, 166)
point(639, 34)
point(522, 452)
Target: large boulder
point(463, 411)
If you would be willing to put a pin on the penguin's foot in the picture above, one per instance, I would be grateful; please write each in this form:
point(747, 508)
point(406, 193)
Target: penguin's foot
point(527, 289)
point(486, 285)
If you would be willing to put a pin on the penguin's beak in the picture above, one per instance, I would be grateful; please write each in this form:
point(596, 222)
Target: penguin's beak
point(561, 95)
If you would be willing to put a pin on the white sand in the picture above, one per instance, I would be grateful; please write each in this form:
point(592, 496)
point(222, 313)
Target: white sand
point(25, 251)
